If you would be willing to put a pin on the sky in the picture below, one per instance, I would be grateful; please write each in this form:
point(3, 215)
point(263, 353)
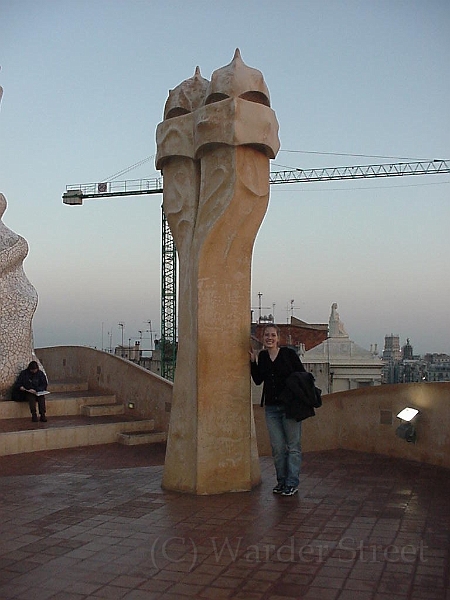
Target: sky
point(351, 82)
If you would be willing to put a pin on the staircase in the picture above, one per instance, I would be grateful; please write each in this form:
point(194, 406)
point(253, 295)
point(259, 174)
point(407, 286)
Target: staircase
point(77, 417)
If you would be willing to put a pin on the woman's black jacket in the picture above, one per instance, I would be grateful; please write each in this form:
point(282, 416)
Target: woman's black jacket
point(274, 373)
point(301, 396)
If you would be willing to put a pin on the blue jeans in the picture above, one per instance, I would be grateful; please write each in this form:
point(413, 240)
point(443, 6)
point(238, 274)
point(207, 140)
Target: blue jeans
point(285, 439)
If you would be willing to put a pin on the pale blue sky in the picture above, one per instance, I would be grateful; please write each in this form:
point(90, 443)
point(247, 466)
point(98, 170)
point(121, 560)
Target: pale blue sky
point(85, 84)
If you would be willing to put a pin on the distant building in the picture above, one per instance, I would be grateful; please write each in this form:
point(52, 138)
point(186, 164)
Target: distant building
point(401, 365)
point(132, 352)
point(392, 356)
point(297, 334)
point(437, 367)
point(338, 364)
point(407, 351)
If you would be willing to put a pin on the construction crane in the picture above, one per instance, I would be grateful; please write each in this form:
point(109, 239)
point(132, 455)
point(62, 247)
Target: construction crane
point(75, 194)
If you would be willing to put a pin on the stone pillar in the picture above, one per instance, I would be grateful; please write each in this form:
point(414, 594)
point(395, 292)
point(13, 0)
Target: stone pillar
point(213, 149)
point(18, 301)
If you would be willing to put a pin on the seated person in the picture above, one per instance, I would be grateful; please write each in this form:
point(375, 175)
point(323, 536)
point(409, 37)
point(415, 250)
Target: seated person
point(29, 382)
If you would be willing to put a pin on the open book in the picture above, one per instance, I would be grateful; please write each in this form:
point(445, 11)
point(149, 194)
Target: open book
point(41, 393)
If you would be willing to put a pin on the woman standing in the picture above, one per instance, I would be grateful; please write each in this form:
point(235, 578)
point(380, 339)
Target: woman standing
point(272, 367)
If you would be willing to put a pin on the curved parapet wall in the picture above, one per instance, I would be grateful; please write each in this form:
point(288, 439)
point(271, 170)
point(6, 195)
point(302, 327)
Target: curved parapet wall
point(18, 301)
point(150, 394)
point(365, 420)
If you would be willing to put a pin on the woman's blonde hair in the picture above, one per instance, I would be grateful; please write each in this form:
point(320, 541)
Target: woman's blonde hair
point(271, 326)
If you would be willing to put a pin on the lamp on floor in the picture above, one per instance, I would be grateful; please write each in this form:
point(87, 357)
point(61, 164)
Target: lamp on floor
point(406, 431)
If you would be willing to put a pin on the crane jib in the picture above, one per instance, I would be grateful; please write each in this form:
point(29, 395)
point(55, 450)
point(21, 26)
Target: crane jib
point(75, 194)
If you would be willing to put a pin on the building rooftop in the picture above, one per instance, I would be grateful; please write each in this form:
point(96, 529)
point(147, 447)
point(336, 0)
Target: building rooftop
point(94, 523)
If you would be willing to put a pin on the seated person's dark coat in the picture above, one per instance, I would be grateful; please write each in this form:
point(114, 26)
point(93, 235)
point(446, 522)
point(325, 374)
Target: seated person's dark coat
point(30, 381)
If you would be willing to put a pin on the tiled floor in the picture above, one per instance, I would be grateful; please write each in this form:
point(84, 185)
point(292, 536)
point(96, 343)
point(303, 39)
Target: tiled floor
point(94, 523)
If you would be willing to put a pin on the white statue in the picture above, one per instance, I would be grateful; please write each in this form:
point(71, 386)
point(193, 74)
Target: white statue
point(336, 327)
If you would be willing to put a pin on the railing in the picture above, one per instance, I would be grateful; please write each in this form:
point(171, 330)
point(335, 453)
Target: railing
point(116, 188)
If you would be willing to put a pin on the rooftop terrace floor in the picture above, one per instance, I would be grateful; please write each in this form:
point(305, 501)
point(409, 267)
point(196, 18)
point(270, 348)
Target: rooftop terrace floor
point(94, 523)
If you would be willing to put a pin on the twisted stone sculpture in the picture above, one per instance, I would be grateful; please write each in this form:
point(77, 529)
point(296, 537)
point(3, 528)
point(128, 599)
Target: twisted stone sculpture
point(213, 149)
point(18, 301)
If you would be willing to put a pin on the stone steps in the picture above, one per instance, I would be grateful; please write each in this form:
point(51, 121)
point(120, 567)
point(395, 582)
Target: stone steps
point(58, 404)
point(56, 434)
point(68, 385)
point(132, 438)
point(77, 417)
point(102, 410)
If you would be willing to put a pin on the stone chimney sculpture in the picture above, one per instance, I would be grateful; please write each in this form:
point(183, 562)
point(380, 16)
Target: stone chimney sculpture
point(18, 301)
point(213, 149)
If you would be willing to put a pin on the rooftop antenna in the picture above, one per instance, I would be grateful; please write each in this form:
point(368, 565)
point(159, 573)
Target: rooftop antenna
point(290, 307)
point(150, 330)
point(260, 307)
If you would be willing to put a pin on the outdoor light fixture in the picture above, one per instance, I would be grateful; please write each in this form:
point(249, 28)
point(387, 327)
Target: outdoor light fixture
point(407, 431)
point(407, 414)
